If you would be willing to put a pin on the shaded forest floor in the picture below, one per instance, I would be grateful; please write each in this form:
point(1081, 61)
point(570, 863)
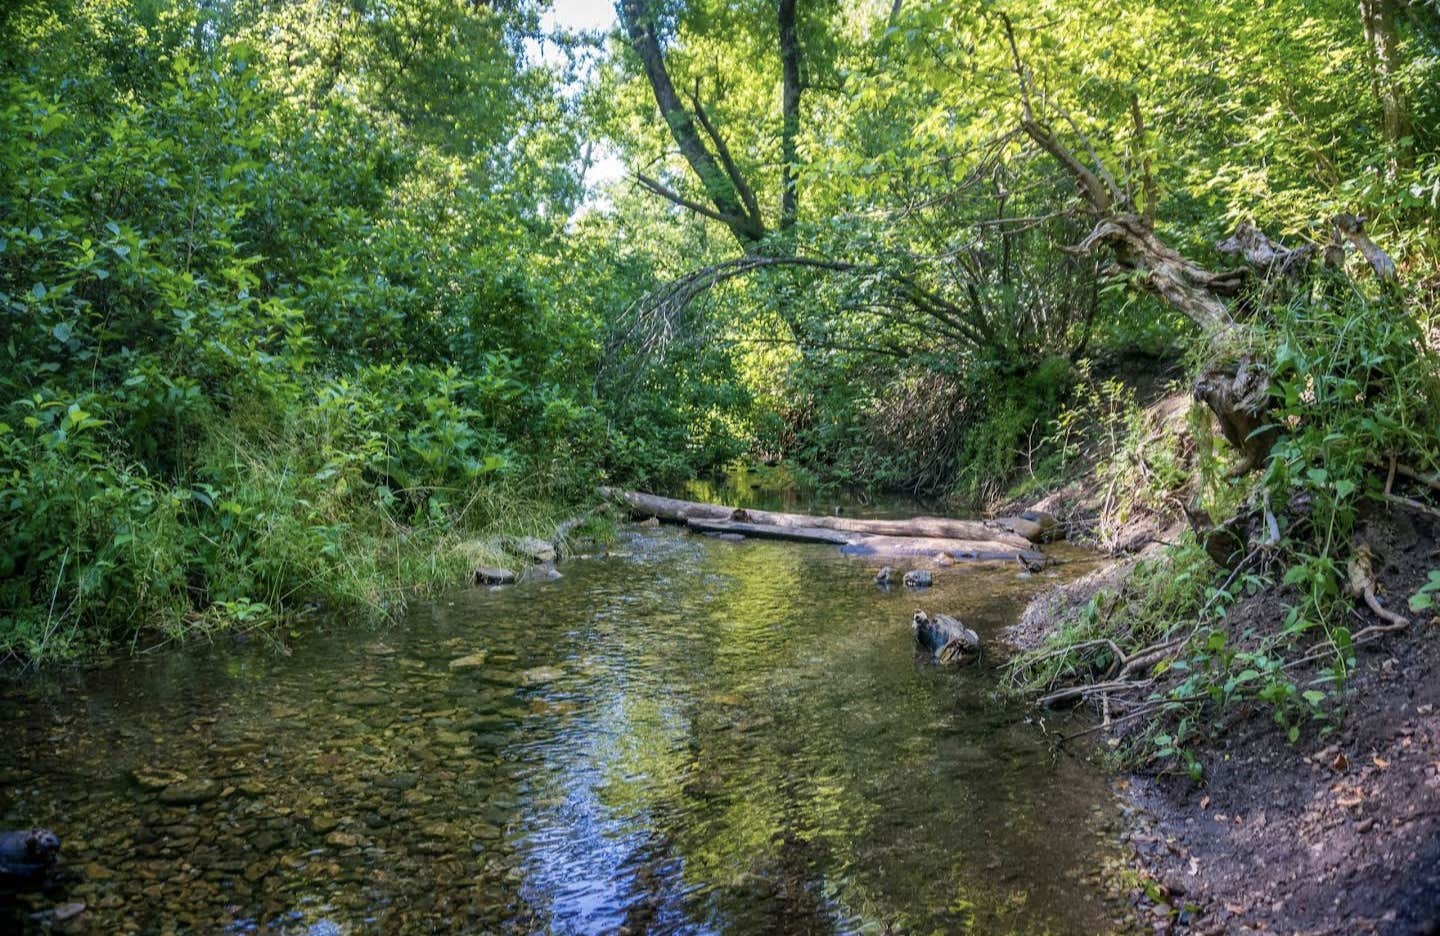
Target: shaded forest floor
point(1336, 833)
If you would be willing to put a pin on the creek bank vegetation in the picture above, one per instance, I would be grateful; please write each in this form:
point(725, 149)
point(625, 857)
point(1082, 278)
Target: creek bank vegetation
point(1044, 236)
point(307, 313)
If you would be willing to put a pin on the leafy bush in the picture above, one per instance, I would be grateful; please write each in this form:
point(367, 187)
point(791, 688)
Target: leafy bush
point(265, 352)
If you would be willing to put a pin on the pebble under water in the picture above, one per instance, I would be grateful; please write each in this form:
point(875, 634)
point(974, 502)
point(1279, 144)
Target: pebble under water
point(680, 736)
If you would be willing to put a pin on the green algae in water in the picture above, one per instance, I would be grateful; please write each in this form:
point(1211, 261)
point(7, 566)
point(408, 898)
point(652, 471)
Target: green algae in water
point(693, 737)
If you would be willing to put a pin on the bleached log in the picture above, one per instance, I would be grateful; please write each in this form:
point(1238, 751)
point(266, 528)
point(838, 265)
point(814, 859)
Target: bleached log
point(1012, 531)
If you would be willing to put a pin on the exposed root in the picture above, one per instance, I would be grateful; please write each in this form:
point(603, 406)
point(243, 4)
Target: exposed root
point(1361, 573)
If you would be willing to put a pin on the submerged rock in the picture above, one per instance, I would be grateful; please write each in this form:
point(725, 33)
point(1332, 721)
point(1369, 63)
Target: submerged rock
point(399, 781)
point(152, 778)
point(541, 572)
point(27, 855)
point(540, 674)
point(943, 636)
point(533, 547)
point(493, 575)
point(919, 578)
point(470, 661)
point(190, 793)
point(1032, 562)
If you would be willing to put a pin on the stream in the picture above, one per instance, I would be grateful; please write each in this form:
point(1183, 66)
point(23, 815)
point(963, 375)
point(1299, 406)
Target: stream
point(681, 735)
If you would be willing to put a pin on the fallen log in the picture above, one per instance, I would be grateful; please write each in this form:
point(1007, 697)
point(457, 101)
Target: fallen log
point(933, 548)
point(765, 531)
point(863, 544)
point(1012, 531)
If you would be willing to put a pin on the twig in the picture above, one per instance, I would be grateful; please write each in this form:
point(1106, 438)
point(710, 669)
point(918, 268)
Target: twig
point(1152, 655)
point(1161, 705)
point(1412, 504)
point(1361, 637)
point(1089, 689)
point(1397, 622)
point(1430, 481)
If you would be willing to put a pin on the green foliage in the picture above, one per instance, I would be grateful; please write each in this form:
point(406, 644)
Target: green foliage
point(270, 344)
point(1352, 382)
point(1015, 410)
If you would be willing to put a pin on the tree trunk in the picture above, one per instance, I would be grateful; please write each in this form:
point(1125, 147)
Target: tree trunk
point(729, 203)
point(1193, 290)
point(790, 118)
point(1378, 19)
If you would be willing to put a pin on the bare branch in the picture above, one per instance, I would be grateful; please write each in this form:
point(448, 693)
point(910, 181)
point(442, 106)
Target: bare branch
point(674, 196)
point(1094, 190)
point(1025, 109)
point(1353, 229)
point(1148, 199)
point(1100, 169)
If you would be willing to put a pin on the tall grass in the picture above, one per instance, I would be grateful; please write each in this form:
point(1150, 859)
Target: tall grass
point(274, 523)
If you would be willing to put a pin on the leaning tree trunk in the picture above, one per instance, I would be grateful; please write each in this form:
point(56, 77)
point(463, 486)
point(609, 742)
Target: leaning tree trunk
point(1236, 389)
point(732, 202)
point(1237, 392)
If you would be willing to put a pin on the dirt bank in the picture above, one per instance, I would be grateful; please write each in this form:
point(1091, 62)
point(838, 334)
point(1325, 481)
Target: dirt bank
point(1337, 833)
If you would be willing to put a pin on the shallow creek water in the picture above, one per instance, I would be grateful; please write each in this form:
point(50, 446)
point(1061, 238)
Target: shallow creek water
point(680, 736)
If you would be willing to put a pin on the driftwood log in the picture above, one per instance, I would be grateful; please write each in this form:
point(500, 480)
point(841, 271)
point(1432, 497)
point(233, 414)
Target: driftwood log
point(862, 544)
point(920, 537)
point(1016, 532)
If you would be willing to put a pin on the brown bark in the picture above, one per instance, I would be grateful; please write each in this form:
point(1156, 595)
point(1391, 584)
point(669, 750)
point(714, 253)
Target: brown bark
point(1352, 228)
point(1270, 259)
point(1239, 395)
point(1193, 290)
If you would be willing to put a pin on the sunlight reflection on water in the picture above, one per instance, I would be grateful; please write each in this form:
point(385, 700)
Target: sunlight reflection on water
point(684, 736)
